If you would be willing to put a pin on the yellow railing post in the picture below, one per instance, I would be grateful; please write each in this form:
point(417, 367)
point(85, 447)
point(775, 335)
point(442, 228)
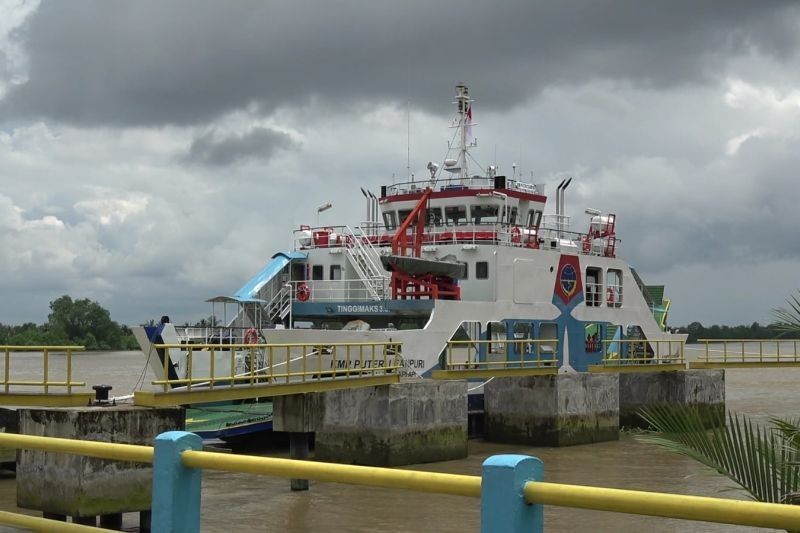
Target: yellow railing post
point(46, 364)
point(189, 368)
point(8, 368)
point(212, 378)
point(69, 371)
point(252, 366)
point(232, 366)
point(166, 373)
point(305, 356)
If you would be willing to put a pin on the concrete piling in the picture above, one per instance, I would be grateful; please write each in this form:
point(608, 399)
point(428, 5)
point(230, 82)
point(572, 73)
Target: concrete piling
point(388, 425)
point(702, 389)
point(86, 487)
point(554, 410)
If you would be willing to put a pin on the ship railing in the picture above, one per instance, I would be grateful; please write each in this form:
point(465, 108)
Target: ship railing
point(749, 352)
point(339, 290)
point(219, 335)
point(466, 232)
point(251, 364)
point(643, 352)
point(594, 295)
point(47, 381)
point(455, 184)
point(511, 489)
point(498, 354)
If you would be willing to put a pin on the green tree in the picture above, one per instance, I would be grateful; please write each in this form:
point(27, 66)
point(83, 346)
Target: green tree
point(84, 321)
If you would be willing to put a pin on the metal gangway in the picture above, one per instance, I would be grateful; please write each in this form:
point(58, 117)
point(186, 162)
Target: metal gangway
point(53, 387)
point(746, 353)
point(641, 355)
point(271, 370)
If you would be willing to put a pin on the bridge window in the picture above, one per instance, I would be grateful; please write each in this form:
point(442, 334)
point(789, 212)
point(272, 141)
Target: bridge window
point(482, 270)
point(510, 214)
point(614, 288)
point(466, 270)
point(390, 220)
point(484, 214)
point(317, 272)
point(534, 217)
point(402, 215)
point(456, 215)
point(435, 216)
point(336, 272)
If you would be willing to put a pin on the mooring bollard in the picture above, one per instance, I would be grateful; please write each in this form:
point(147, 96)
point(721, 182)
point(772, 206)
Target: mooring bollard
point(176, 489)
point(503, 505)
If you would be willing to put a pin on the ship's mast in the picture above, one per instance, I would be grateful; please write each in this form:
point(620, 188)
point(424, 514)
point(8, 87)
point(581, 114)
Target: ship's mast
point(463, 104)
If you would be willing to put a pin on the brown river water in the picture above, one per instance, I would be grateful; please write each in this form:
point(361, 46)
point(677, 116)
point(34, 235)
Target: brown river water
point(254, 503)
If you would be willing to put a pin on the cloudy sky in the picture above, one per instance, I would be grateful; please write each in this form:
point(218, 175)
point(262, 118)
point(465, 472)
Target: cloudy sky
point(153, 154)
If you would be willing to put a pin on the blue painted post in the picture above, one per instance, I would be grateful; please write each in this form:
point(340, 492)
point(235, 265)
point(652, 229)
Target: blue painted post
point(176, 489)
point(503, 507)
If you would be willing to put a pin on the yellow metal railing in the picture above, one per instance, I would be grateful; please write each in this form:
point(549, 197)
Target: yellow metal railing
point(45, 383)
point(281, 363)
point(744, 352)
point(747, 513)
point(635, 352)
point(665, 505)
point(45, 525)
point(467, 354)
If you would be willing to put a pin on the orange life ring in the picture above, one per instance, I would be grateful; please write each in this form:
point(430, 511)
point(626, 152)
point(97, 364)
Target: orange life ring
point(516, 235)
point(251, 336)
point(303, 292)
point(611, 296)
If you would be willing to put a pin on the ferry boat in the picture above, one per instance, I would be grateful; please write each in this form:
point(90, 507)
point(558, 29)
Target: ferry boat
point(455, 256)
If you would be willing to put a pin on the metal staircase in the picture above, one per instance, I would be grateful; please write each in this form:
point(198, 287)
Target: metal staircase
point(366, 262)
point(279, 307)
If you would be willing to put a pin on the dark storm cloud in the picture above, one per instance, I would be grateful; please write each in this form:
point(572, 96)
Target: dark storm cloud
point(214, 149)
point(187, 62)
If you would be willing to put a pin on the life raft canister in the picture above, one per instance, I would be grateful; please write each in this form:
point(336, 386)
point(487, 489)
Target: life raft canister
point(303, 292)
point(251, 336)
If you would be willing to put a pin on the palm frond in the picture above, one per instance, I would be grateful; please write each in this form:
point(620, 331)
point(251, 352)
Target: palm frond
point(760, 460)
point(788, 317)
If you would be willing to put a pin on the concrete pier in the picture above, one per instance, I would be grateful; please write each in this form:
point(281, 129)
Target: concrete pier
point(703, 389)
point(85, 487)
point(389, 425)
point(556, 410)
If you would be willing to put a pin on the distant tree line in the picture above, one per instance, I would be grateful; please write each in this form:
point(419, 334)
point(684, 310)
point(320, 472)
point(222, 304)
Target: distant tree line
point(696, 330)
point(72, 322)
